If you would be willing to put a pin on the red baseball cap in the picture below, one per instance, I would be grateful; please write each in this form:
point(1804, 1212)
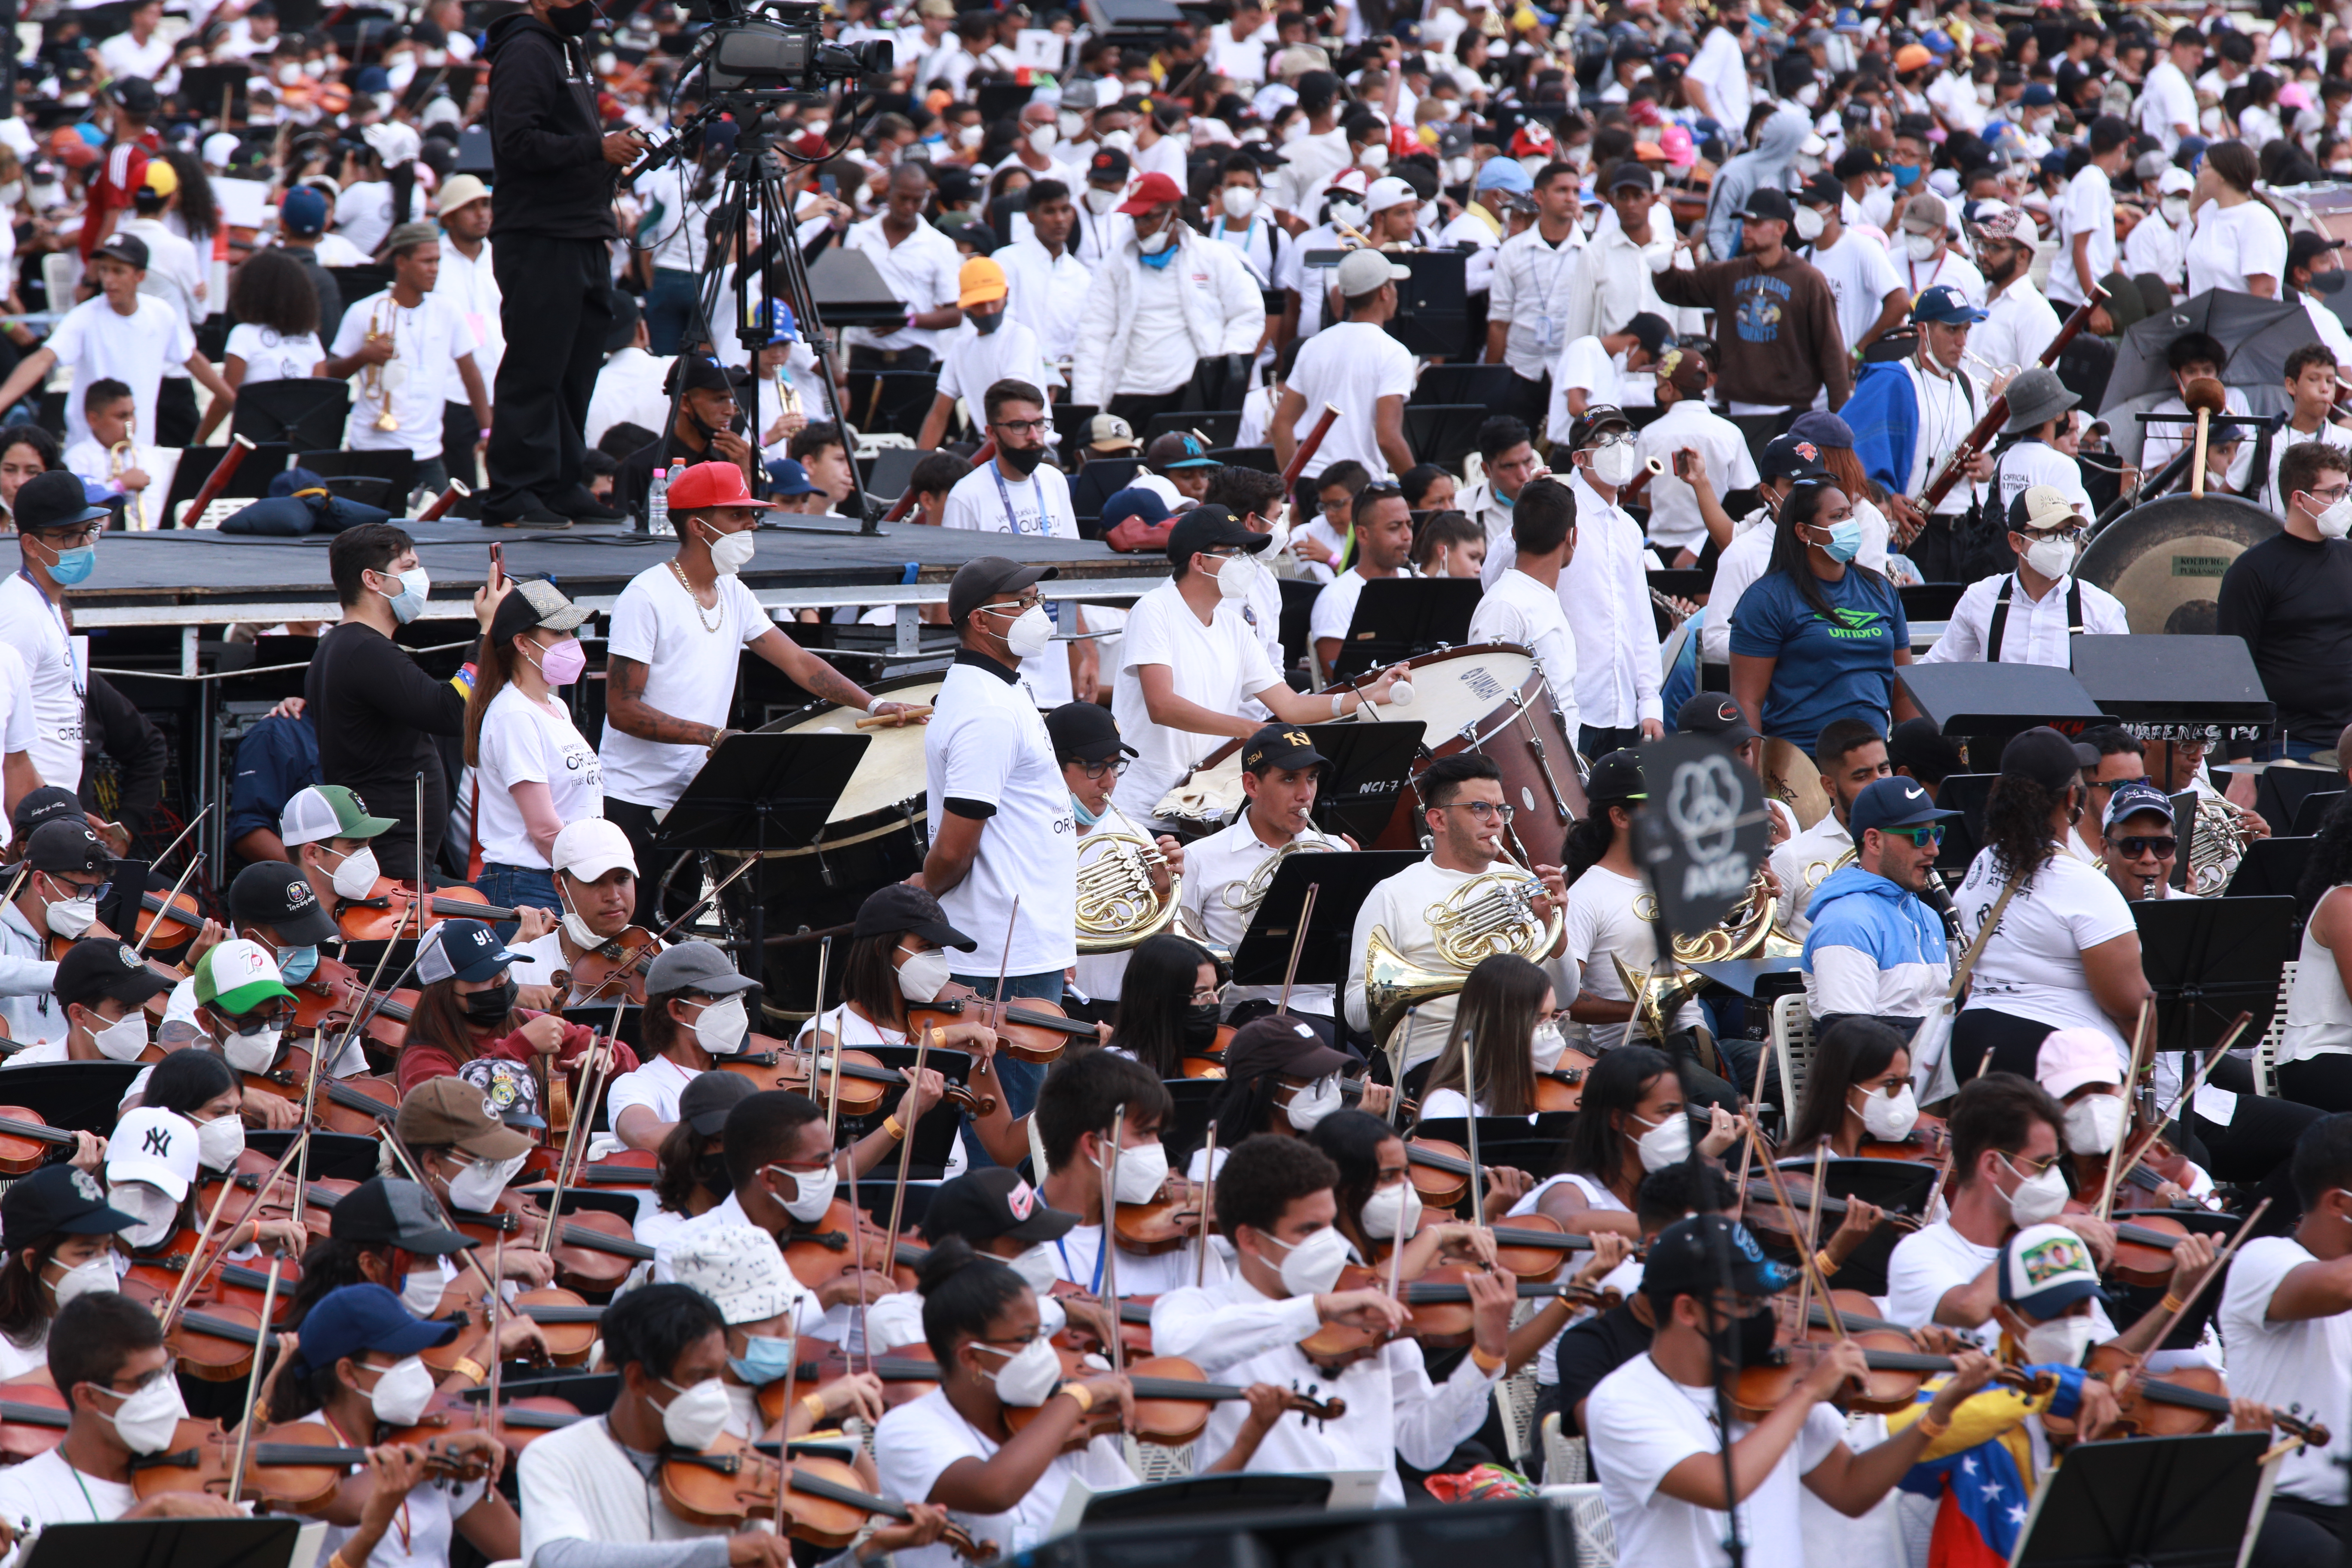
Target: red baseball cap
point(713, 484)
point(1154, 190)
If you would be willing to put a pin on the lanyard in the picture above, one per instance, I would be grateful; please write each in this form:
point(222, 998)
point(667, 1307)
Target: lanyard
point(1064, 1251)
point(1012, 524)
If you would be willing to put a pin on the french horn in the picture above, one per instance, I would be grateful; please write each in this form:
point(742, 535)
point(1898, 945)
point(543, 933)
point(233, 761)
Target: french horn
point(1119, 903)
point(1493, 913)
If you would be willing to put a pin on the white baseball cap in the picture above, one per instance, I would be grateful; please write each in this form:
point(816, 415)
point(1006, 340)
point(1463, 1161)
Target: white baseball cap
point(155, 1146)
point(1387, 192)
point(1361, 271)
point(592, 847)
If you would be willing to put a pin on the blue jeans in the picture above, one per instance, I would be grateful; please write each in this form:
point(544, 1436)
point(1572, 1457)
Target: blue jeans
point(1021, 1080)
point(518, 888)
point(671, 306)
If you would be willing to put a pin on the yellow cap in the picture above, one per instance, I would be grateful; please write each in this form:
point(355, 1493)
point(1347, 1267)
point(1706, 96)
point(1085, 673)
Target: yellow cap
point(979, 281)
point(162, 178)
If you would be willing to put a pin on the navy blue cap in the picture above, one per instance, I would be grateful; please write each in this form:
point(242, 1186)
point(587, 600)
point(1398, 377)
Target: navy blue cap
point(2128, 800)
point(357, 1319)
point(1893, 802)
point(303, 212)
point(787, 477)
point(464, 950)
point(1945, 306)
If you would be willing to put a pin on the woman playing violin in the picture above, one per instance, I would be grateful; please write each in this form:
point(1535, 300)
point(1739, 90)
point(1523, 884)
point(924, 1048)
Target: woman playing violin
point(60, 1236)
point(151, 1165)
point(201, 1087)
point(359, 1371)
point(466, 1010)
point(591, 1486)
point(696, 1012)
point(329, 831)
point(2079, 1069)
point(596, 887)
point(690, 1167)
point(468, 1156)
point(1511, 1022)
point(1634, 1119)
point(1280, 1078)
point(739, 1268)
point(1858, 1090)
point(1167, 1004)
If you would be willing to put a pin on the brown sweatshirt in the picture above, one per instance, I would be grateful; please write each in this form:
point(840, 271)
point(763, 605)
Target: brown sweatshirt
point(1776, 329)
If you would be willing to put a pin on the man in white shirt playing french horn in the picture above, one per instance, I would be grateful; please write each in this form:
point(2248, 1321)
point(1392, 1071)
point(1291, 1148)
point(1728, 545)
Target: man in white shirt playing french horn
point(1093, 755)
point(1466, 816)
point(1282, 774)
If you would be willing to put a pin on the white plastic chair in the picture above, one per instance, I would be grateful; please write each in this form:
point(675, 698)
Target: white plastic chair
point(1792, 1047)
point(2266, 1049)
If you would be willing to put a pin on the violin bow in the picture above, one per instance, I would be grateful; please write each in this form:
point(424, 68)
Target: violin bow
point(2130, 1086)
point(1208, 1196)
point(139, 950)
point(186, 829)
point(1469, 1092)
point(374, 999)
point(1813, 1231)
point(1805, 1260)
point(253, 1381)
point(1298, 945)
point(1108, 1255)
point(816, 1038)
point(2189, 1092)
point(2220, 1266)
point(593, 1080)
point(924, 1039)
point(191, 1273)
point(494, 1299)
point(407, 1161)
point(663, 935)
point(1396, 1063)
point(1755, 1129)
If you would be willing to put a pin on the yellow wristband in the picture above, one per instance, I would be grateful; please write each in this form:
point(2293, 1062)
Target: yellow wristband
point(1825, 1263)
point(1082, 1393)
point(891, 1125)
point(471, 1368)
point(2171, 1303)
point(815, 1404)
point(1482, 1360)
point(1929, 1425)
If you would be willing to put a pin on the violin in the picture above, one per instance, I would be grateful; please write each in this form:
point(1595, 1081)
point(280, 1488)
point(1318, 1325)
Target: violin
point(908, 1373)
point(217, 1345)
point(1028, 1028)
point(2186, 1400)
point(1531, 1247)
point(613, 972)
point(1437, 1314)
point(1133, 1318)
point(865, 1083)
point(294, 1468)
point(1172, 1397)
point(392, 910)
point(1440, 1172)
point(1929, 1143)
point(731, 1484)
point(1763, 1210)
point(565, 1318)
point(2144, 1246)
point(33, 1417)
point(1897, 1371)
point(166, 920)
point(333, 994)
point(1163, 1225)
point(226, 1285)
point(26, 1142)
point(360, 1105)
point(520, 1419)
point(1562, 1089)
point(594, 1250)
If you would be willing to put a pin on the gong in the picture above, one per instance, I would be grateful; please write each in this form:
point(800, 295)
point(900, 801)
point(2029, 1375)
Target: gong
point(2165, 560)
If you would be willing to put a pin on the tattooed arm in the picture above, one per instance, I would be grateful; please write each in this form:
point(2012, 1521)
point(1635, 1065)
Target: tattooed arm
point(807, 671)
point(626, 706)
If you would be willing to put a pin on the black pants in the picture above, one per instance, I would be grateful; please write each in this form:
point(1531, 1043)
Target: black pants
point(2324, 1081)
point(556, 309)
point(458, 433)
point(1138, 409)
point(1759, 428)
point(1595, 741)
point(1939, 551)
point(2013, 1042)
point(2299, 1534)
point(654, 911)
point(176, 415)
point(2254, 1149)
point(1528, 401)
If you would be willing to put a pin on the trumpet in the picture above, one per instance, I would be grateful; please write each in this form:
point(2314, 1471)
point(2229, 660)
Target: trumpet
point(120, 458)
point(374, 385)
point(1996, 375)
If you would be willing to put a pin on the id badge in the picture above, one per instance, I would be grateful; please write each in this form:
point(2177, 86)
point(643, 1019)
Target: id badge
point(1547, 331)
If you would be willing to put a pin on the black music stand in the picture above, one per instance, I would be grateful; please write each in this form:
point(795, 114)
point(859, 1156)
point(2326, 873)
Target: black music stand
point(2272, 868)
point(627, 1021)
point(2208, 680)
point(1930, 601)
point(1370, 764)
point(762, 792)
point(2185, 1502)
point(1193, 1496)
point(2210, 959)
point(1964, 834)
point(1299, 595)
point(2280, 790)
point(1758, 978)
point(1343, 883)
point(2001, 699)
point(2311, 812)
point(169, 1544)
point(1399, 618)
point(80, 1097)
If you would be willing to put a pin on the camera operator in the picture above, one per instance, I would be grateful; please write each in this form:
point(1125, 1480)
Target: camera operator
point(552, 227)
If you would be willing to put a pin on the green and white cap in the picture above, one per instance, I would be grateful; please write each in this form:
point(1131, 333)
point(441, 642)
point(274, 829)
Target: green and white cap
point(327, 811)
point(239, 976)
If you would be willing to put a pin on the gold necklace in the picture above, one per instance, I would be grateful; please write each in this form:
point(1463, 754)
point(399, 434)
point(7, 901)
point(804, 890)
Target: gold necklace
point(680, 572)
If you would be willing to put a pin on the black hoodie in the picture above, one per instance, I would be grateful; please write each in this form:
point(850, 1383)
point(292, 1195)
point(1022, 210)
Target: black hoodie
point(549, 144)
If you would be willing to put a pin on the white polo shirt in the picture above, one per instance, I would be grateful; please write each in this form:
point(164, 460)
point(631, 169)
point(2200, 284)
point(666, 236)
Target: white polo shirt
point(985, 502)
point(1217, 666)
point(986, 746)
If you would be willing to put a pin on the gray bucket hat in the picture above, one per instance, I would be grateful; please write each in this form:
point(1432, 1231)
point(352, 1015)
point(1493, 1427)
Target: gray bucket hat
point(2035, 397)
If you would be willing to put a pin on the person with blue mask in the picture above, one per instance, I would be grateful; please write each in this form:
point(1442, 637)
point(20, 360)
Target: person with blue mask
point(1908, 416)
point(1819, 635)
point(58, 531)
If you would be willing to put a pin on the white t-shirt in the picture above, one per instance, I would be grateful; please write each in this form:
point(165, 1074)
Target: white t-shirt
point(2033, 966)
point(974, 361)
point(915, 1443)
point(2030, 463)
point(524, 741)
point(2233, 243)
point(270, 357)
point(1217, 666)
point(96, 343)
point(1352, 365)
point(1926, 1265)
point(2088, 207)
point(427, 1523)
point(986, 744)
point(363, 212)
point(1077, 1257)
point(47, 1490)
point(1641, 1424)
point(2301, 1367)
point(1518, 609)
point(56, 669)
point(689, 674)
point(1040, 506)
point(655, 1084)
point(1860, 276)
point(578, 1484)
point(428, 340)
point(1601, 926)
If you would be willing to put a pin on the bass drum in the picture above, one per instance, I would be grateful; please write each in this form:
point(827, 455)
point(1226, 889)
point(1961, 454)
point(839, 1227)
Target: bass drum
point(875, 835)
point(2165, 560)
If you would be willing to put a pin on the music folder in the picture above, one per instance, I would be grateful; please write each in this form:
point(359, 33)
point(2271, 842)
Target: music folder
point(2188, 1502)
point(262, 1542)
point(1343, 881)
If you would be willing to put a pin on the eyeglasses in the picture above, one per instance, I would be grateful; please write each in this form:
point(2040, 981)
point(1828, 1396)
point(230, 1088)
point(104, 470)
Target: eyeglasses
point(1095, 772)
point(2070, 534)
point(65, 539)
point(1920, 837)
point(2332, 494)
point(1018, 606)
point(2111, 785)
point(2163, 848)
point(1021, 426)
point(2032, 1168)
point(1202, 995)
point(1484, 810)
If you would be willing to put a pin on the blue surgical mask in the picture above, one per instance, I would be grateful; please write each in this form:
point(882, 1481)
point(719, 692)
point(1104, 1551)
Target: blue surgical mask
point(1086, 819)
point(1845, 540)
point(1906, 175)
point(765, 1359)
point(1161, 260)
point(74, 566)
point(295, 965)
point(409, 603)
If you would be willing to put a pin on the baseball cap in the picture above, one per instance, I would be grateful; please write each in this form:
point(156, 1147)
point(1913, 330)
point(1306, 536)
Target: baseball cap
point(457, 191)
point(1283, 746)
point(356, 1319)
point(1387, 192)
point(712, 484)
point(1924, 213)
point(1944, 306)
point(389, 1209)
point(274, 894)
point(1278, 1043)
point(239, 976)
point(155, 1146)
point(979, 281)
point(2129, 800)
point(1154, 190)
point(902, 907)
point(1630, 175)
point(979, 578)
point(592, 847)
point(2304, 248)
point(2069, 1058)
point(1616, 775)
point(694, 966)
point(1911, 57)
point(1108, 167)
point(534, 603)
point(1085, 732)
point(1596, 417)
point(1178, 449)
point(127, 249)
point(1109, 433)
point(2047, 757)
point(1505, 174)
point(704, 1102)
point(162, 178)
point(449, 1112)
point(1136, 502)
point(2042, 507)
point(1212, 527)
point(1919, 746)
point(740, 1269)
point(50, 802)
point(981, 1206)
point(54, 500)
point(324, 811)
point(460, 949)
point(1893, 802)
point(1686, 1259)
point(2044, 1268)
point(789, 478)
point(1765, 204)
point(1360, 272)
point(64, 845)
point(100, 968)
point(57, 1200)
point(699, 373)
point(1712, 713)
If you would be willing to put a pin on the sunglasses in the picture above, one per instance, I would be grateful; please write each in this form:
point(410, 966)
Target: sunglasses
point(2135, 846)
point(1919, 837)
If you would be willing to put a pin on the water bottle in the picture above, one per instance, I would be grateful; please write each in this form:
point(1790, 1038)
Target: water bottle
point(657, 506)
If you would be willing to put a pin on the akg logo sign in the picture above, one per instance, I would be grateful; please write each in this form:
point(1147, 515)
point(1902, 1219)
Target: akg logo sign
point(1703, 808)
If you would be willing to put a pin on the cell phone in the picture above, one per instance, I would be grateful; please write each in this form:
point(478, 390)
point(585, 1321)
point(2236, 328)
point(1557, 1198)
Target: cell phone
point(497, 564)
point(1682, 467)
point(829, 185)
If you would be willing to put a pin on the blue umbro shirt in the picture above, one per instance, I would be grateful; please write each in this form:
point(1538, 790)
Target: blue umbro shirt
point(1828, 666)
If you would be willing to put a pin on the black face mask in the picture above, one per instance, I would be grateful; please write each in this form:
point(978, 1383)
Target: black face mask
point(1752, 1337)
point(489, 1008)
point(1201, 1025)
point(710, 1170)
point(574, 21)
point(1025, 458)
point(2329, 282)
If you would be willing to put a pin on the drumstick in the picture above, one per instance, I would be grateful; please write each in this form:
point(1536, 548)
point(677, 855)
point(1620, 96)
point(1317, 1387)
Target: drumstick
point(895, 721)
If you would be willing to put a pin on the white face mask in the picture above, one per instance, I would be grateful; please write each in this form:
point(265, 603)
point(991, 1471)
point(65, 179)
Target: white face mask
point(1919, 246)
point(122, 1041)
point(2038, 1198)
point(1615, 464)
point(1237, 576)
point(722, 1025)
point(731, 552)
point(150, 1207)
point(1312, 1266)
point(1667, 1143)
point(1035, 1267)
point(1890, 1117)
point(1808, 95)
point(477, 1186)
point(969, 136)
point(815, 1194)
point(401, 1392)
point(1809, 223)
point(1072, 126)
point(1119, 141)
point(97, 1274)
point(580, 931)
point(1392, 1211)
point(416, 584)
point(1030, 634)
point(1295, 129)
point(69, 918)
point(1099, 201)
point(1239, 201)
point(1547, 1046)
point(421, 1291)
point(2093, 1123)
point(252, 1052)
point(2175, 208)
point(1153, 244)
point(1142, 1171)
point(1029, 1377)
point(1041, 139)
point(924, 975)
point(1373, 159)
point(355, 878)
point(2060, 1342)
point(1313, 1103)
point(2050, 557)
point(695, 1418)
point(2333, 523)
point(147, 1419)
point(219, 1142)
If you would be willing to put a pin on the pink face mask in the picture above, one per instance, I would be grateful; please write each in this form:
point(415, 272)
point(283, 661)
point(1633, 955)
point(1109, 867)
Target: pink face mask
point(564, 663)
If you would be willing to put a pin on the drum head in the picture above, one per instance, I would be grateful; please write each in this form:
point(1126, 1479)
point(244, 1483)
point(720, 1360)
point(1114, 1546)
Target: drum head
point(891, 771)
point(2165, 560)
point(1789, 775)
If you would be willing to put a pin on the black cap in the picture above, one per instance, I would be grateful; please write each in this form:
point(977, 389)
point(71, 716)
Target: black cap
point(1684, 1260)
point(1108, 167)
point(63, 845)
point(388, 1209)
point(981, 1206)
point(701, 374)
point(975, 580)
point(1765, 203)
point(1283, 746)
point(1212, 528)
point(2304, 248)
point(136, 94)
point(50, 802)
point(54, 500)
point(1789, 458)
point(626, 316)
point(704, 1102)
point(1616, 775)
point(1631, 175)
point(1085, 732)
point(1928, 752)
point(101, 968)
point(901, 907)
point(53, 1200)
point(1596, 417)
point(2048, 758)
point(1712, 713)
point(127, 249)
point(1825, 190)
point(272, 893)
